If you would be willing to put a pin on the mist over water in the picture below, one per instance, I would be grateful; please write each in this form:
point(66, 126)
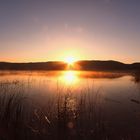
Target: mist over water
point(114, 97)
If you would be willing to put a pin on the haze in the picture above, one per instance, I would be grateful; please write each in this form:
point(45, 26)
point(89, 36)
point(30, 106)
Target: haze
point(48, 30)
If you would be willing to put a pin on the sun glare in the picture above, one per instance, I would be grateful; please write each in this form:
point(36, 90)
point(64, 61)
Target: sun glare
point(69, 77)
point(70, 60)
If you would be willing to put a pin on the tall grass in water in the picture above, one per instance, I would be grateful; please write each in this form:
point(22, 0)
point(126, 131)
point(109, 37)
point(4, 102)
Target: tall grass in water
point(65, 115)
point(12, 109)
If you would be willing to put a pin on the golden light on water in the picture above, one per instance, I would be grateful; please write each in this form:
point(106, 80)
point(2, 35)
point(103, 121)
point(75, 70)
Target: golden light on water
point(69, 77)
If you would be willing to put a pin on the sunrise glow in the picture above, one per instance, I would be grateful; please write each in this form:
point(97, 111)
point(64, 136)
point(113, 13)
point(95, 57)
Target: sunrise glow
point(70, 60)
point(69, 77)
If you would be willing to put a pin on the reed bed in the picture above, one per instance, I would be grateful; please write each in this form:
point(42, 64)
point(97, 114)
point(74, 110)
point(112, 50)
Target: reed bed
point(62, 116)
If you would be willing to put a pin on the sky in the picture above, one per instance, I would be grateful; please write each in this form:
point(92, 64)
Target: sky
point(50, 30)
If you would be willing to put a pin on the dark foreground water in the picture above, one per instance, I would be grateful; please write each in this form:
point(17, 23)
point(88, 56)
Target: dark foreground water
point(61, 105)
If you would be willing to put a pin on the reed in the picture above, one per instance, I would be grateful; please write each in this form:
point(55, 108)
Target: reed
point(65, 115)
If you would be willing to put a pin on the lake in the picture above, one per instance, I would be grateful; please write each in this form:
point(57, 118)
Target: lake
point(70, 104)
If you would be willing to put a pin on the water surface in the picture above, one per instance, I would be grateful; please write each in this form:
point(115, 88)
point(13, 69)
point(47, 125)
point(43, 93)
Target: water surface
point(119, 94)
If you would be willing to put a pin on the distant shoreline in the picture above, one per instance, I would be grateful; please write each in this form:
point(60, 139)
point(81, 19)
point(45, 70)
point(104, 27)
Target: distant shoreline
point(84, 65)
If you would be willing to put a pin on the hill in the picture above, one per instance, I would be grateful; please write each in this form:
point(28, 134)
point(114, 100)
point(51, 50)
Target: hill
point(80, 65)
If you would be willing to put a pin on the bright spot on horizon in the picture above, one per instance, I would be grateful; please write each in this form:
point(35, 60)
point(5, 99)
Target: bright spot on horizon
point(70, 60)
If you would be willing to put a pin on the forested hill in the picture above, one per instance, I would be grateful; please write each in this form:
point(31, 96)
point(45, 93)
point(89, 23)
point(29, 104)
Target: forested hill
point(79, 65)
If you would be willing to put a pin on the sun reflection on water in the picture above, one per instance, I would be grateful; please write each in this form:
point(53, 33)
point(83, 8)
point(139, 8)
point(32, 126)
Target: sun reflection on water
point(69, 77)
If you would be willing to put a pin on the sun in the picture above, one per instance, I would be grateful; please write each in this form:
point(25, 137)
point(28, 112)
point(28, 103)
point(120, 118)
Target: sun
point(70, 60)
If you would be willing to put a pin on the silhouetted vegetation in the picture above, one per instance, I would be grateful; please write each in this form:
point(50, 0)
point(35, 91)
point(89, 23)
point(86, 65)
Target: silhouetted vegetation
point(136, 75)
point(80, 65)
point(65, 115)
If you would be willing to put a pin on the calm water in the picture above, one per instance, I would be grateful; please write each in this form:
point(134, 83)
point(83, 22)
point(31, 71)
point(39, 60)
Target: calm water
point(119, 93)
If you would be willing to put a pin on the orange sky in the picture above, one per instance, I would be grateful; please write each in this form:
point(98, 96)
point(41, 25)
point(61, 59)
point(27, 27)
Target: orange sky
point(53, 30)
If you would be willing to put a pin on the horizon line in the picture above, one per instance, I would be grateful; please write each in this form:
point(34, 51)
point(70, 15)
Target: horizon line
point(66, 62)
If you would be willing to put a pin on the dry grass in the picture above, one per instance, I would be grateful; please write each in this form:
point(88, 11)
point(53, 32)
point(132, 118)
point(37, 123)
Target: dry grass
point(64, 116)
